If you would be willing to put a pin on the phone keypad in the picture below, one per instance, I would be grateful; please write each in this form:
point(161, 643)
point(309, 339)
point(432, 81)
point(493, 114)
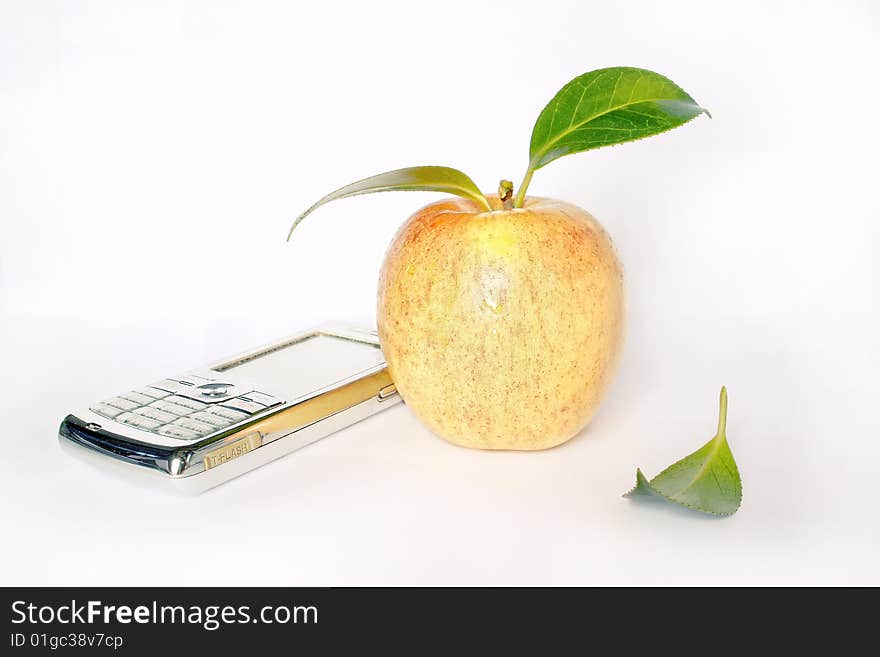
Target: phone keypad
point(161, 408)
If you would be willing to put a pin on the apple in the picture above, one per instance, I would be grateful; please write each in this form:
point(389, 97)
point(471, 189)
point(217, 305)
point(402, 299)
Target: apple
point(502, 328)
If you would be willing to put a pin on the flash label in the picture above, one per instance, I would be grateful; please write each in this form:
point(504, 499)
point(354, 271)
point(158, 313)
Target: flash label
point(233, 451)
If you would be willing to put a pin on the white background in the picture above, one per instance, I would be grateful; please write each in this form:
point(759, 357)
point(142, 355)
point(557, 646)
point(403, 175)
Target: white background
point(152, 156)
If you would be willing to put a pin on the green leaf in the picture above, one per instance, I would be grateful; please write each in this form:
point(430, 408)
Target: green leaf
point(608, 106)
point(707, 480)
point(423, 179)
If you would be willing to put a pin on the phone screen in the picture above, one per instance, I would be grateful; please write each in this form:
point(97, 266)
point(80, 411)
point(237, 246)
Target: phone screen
point(297, 368)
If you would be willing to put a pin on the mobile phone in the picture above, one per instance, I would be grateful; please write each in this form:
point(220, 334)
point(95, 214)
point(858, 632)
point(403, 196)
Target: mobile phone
point(211, 424)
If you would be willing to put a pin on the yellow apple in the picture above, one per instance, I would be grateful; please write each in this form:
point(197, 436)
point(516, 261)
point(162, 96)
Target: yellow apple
point(502, 328)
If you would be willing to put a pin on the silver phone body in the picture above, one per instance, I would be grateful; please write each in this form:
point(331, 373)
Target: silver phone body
point(211, 424)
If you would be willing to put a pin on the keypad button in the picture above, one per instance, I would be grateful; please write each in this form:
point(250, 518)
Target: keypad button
point(168, 385)
point(154, 393)
point(168, 407)
point(106, 411)
point(194, 425)
point(138, 421)
point(193, 380)
point(228, 413)
point(244, 405)
point(137, 398)
point(216, 421)
point(214, 389)
point(187, 403)
point(262, 398)
point(155, 414)
point(174, 431)
point(122, 404)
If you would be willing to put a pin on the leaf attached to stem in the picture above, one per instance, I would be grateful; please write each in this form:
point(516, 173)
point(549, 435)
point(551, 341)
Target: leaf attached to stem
point(707, 480)
point(605, 107)
point(415, 179)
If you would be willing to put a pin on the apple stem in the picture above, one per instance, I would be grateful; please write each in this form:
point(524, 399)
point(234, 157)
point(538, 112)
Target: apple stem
point(505, 193)
point(524, 185)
